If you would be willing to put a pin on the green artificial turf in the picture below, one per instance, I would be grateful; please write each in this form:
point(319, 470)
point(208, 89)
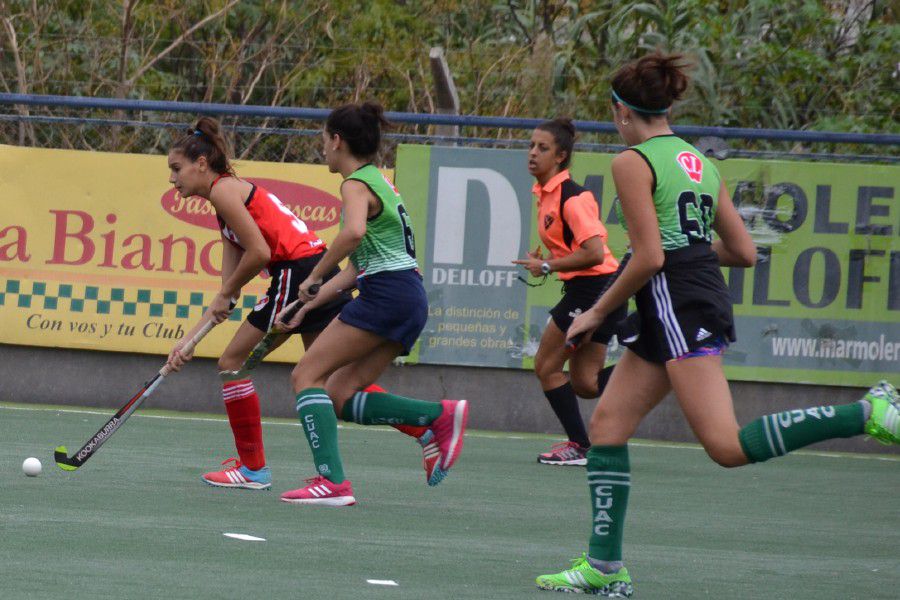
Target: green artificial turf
point(137, 522)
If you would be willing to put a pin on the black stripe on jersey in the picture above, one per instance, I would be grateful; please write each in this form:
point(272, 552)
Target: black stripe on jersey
point(567, 190)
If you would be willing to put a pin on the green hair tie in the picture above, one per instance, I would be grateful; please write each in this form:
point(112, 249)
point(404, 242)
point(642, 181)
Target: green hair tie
point(650, 111)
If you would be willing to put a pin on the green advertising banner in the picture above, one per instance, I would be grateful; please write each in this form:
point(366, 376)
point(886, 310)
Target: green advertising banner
point(821, 306)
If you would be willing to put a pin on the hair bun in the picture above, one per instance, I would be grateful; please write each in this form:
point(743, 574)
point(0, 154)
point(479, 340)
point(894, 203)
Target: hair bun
point(666, 72)
point(359, 125)
point(653, 82)
point(566, 124)
point(372, 109)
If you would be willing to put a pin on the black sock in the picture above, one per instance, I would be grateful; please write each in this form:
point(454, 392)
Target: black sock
point(565, 404)
point(603, 379)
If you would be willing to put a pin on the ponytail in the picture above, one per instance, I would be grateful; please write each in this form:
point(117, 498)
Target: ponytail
point(205, 139)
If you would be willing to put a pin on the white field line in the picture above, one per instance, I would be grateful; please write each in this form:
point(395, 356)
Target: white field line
point(477, 434)
point(245, 537)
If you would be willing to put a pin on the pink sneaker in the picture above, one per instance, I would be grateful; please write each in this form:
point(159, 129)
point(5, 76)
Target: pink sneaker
point(323, 492)
point(449, 430)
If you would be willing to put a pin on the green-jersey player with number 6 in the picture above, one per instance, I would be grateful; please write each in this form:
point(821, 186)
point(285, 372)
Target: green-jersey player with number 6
point(671, 200)
point(382, 322)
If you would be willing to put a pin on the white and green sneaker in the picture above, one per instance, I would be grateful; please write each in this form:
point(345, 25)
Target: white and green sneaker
point(884, 420)
point(582, 578)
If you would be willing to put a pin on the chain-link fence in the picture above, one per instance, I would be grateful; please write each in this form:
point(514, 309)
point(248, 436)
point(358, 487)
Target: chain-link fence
point(267, 134)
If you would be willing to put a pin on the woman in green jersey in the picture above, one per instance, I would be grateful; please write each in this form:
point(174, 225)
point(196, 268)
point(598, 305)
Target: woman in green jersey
point(671, 200)
point(382, 322)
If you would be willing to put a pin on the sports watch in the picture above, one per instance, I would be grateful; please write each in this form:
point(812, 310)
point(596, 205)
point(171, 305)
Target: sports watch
point(545, 268)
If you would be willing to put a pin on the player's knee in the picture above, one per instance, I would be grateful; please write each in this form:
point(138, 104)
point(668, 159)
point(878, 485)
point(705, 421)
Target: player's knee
point(584, 387)
point(339, 394)
point(607, 428)
point(229, 363)
point(599, 423)
point(545, 370)
point(300, 379)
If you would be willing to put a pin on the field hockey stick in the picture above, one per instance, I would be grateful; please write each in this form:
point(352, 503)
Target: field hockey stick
point(262, 348)
point(67, 463)
point(573, 343)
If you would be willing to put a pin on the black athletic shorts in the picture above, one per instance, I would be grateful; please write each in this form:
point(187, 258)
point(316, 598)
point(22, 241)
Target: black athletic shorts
point(286, 279)
point(684, 307)
point(579, 294)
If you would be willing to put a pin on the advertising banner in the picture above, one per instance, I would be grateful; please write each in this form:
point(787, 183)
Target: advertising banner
point(99, 252)
point(821, 306)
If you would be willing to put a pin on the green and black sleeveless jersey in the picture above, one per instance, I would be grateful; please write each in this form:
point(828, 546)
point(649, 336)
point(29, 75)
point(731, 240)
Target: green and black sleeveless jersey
point(389, 243)
point(685, 191)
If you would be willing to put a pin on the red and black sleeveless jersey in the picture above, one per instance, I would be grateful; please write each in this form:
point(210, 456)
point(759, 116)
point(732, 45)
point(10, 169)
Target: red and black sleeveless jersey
point(286, 234)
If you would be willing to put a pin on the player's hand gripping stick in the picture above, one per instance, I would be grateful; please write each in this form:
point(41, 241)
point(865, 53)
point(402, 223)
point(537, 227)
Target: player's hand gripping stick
point(264, 346)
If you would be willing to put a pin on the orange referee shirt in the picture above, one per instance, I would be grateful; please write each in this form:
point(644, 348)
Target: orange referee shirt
point(582, 217)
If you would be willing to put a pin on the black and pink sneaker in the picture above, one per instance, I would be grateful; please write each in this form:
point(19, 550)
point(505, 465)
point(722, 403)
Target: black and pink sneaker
point(565, 453)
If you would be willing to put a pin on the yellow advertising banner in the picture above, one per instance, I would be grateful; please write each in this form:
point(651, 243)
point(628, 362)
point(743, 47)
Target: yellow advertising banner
point(99, 252)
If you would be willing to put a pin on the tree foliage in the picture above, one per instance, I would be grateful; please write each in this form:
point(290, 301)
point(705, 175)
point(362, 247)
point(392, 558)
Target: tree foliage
point(793, 64)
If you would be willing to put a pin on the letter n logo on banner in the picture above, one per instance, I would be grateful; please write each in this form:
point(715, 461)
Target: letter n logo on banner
point(450, 215)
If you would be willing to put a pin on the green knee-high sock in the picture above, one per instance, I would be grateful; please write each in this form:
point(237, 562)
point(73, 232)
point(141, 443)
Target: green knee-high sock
point(779, 433)
point(609, 479)
point(316, 413)
point(382, 408)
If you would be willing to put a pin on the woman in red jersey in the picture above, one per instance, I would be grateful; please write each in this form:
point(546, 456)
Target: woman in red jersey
point(258, 232)
point(569, 226)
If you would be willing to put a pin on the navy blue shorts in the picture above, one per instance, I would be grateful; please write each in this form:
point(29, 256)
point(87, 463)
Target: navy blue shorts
point(391, 304)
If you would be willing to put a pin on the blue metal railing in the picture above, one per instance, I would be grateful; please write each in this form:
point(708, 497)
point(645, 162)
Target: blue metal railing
point(415, 138)
point(320, 114)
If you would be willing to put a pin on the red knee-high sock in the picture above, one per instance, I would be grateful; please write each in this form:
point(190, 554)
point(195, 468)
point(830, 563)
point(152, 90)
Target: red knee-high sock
point(242, 406)
point(410, 430)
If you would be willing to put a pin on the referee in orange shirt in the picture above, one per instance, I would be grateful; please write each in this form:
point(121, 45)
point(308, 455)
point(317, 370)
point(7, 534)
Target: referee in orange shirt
point(569, 226)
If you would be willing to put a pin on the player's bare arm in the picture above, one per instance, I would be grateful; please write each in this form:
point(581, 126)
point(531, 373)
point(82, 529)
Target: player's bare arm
point(735, 247)
point(588, 254)
point(633, 181)
point(229, 205)
point(358, 203)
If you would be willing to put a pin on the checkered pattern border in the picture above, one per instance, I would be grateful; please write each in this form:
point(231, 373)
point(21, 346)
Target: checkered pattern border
point(101, 300)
